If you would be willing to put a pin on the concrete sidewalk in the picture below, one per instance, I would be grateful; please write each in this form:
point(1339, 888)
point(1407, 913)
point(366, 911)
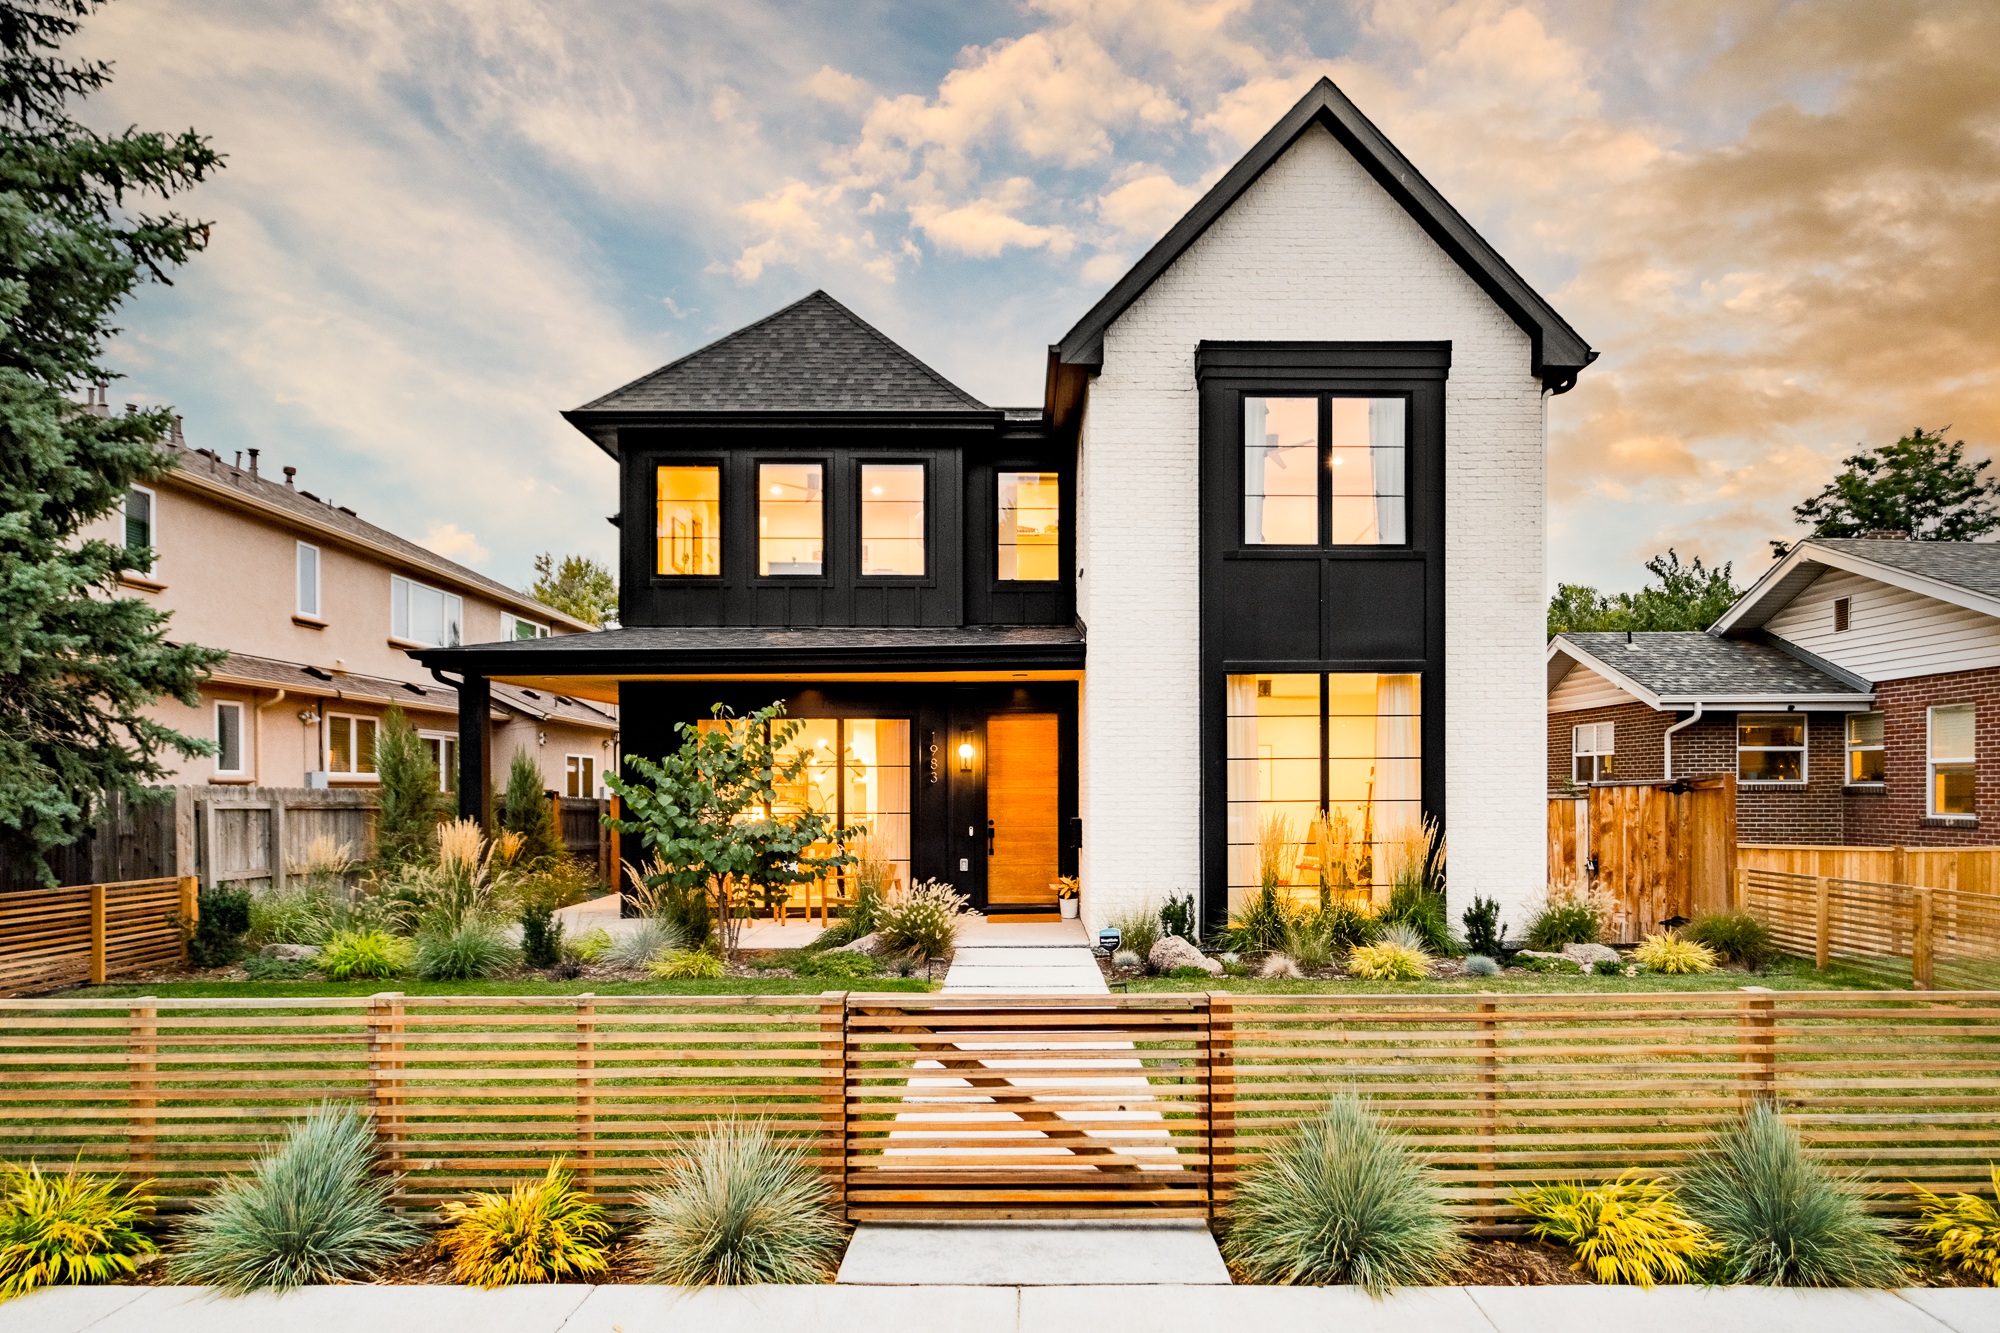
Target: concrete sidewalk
point(847, 1309)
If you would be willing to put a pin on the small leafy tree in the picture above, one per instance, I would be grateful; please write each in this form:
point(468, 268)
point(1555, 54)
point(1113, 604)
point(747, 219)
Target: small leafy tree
point(1920, 485)
point(412, 805)
point(1679, 597)
point(705, 813)
point(526, 810)
point(576, 586)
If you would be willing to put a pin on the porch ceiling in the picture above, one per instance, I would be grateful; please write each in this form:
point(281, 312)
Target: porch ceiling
point(604, 689)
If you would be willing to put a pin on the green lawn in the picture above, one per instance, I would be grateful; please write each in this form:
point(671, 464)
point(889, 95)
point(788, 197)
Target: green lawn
point(215, 990)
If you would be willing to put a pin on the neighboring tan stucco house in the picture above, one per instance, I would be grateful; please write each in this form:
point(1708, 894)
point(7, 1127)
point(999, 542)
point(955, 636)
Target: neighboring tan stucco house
point(318, 610)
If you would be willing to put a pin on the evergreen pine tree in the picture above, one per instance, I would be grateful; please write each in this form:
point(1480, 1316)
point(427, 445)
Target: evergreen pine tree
point(78, 665)
point(411, 803)
point(526, 810)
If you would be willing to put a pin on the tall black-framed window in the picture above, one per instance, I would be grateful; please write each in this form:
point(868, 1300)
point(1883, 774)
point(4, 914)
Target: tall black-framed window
point(791, 518)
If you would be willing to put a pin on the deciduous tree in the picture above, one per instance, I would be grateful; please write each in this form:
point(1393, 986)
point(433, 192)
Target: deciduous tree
point(1920, 485)
point(1679, 597)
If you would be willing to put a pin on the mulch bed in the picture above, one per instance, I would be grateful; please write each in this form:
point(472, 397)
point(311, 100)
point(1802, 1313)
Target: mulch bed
point(1501, 1263)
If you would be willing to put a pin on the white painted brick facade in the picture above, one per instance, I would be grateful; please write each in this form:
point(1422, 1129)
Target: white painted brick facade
point(1314, 250)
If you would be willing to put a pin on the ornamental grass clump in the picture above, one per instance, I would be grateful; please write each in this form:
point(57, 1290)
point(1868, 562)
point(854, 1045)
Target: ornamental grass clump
point(1779, 1218)
point(67, 1230)
point(1960, 1231)
point(1388, 960)
point(1734, 937)
point(737, 1207)
point(469, 952)
point(539, 1231)
point(923, 919)
point(1630, 1231)
point(684, 965)
point(1570, 915)
point(1670, 955)
point(365, 955)
point(312, 1209)
point(1343, 1200)
point(1138, 928)
point(648, 939)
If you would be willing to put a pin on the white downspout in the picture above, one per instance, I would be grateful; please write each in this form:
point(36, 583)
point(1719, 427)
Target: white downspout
point(1669, 739)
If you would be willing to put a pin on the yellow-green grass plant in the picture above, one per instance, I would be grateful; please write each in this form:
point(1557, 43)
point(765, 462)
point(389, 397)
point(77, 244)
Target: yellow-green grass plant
point(363, 955)
point(1960, 1231)
point(67, 1229)
point(590, 947)
point(1672, 956)
point(1781, 1219)
point(738, 1206)
point(543, 1230)
point(684, 965)
point(1631, 1230)
point(1388, 960)
point(1341, 1199)
point(313, 1209)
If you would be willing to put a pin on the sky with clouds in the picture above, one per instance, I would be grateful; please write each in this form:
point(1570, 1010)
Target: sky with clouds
point(444, 221)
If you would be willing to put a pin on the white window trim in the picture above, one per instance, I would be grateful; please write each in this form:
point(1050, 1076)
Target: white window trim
point(510, 626)
point(1804, 748)
point(152, 524)
point(444, 779)
point(404, 636)
point(1847, 736)
point(596, 773)
point(319, 569)
point(1931, 762)
point(1576, 750)
point(326, 759)
point(242, 741)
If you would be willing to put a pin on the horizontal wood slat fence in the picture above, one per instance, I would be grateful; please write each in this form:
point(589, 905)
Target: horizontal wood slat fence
point(1905, 932)
point(92, 932)
point(1962, 869)
point(1086, 1106)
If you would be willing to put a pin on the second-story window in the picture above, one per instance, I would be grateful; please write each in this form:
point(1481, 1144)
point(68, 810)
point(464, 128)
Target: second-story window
point(513, 627)
point(138, 519)
point(892, 518)
point(1030, 525)
point(689, 527)
point(791, 519)
point(425, 615)
point(1361, 453)
point(308, 561)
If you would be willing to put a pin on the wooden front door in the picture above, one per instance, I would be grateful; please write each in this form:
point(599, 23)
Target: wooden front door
point(1021, 799)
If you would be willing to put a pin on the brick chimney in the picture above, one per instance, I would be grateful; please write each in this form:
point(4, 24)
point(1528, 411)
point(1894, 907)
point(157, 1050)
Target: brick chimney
point(1886, 535)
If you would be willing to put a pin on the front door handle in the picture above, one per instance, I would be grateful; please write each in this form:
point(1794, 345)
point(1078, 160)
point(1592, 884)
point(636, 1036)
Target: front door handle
point(989, 837)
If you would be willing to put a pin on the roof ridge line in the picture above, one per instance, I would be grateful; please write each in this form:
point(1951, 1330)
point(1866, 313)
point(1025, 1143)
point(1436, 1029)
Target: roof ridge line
point(729, 337)
point(898, 348)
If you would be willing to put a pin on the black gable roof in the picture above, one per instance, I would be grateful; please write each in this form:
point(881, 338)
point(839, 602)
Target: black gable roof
point(815, 355)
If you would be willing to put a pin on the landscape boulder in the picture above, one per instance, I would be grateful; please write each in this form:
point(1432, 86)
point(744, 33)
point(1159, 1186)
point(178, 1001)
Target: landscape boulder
point(290, 953)
point(1173, 952)
point(870, 944)
point(1587, 954)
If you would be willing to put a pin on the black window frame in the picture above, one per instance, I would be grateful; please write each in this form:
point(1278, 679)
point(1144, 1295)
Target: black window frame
point(1323, 454)
point(992, 499)
point(720, 462)
point(858, 464)
point(828, 518)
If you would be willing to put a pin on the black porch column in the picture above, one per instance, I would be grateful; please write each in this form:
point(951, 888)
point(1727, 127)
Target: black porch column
point(475, 697)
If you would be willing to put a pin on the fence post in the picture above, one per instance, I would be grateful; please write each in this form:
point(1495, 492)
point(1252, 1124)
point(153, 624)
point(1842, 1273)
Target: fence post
point(586, 1091)
point(190, 899)
point(385, 1070)
point(1920, 940)
point(1822, 924)
point(1757, 1023)
point(1489, 1095)
point(1221, 1092)
point(1899, 870)
point(1742, 886)
point(833, 1102)
point(141, 1057)
point(97, 933)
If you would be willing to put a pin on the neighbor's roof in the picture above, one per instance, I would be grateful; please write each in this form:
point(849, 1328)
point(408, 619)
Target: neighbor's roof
point(1665, 669)
point(1560, 353)
point(311, 682)
point(1963, 573)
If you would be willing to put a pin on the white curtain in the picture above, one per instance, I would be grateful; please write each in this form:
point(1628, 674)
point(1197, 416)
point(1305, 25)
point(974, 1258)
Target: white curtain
point(1255, 451)
point(1244, 806)
point(892, 792)
point(1398, 770)
point(1385, 459)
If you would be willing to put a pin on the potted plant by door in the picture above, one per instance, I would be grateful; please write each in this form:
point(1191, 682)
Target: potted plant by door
point(1066, 890)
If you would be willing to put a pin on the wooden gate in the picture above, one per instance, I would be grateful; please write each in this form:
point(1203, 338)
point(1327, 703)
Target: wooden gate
point(969, 1107)
point(1658, 850)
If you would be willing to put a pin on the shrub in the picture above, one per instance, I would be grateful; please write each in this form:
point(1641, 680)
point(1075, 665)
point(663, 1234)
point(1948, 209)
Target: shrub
point(1672, 956)
point(1177, 916)
point(923, 919)
point(1342, 1200)
point(1608, 967)
point(685, 965)
point(1316, 938)
point(1138, 929)
point(1422, 910)
point(312, 1209)
point(651, 937)
point(260, 968)
point(1190, 972)
point(1388, 961)
point(527, 810)
point(837, 964)
point(1479, 965)
point(222, 919)
point(1735, 937)
point(539, 1231)
point(590, 947)
point(1566, 919)
point(67, 1230)
point(738, 1207)
point(474, 950)
point(368, 955)
point(1630, 1231)
point(1779, 1218)
point(1559, 966)
point(541, 935)
point(1484, 931)
point(1961, 1231)
point(412, 806)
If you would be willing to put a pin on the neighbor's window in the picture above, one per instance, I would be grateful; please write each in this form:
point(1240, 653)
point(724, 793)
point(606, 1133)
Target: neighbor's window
point(1591, 750)
point(350, 744)
point(1030, 522)
point(139, 505)
point(1367, 778)
point(1865, 757)
point(1953, 758)
point(690, 524)
point(1770, 747)
point(1361, 455)
point(444, 757)
point(426, 615)
point(513, 627)
point(892, 518)
point(308, 569)
point(582, 775)
point(229, 738)
point(791, 519)
point(1281, 471)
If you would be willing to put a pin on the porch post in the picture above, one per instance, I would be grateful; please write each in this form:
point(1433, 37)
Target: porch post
point(475, 696)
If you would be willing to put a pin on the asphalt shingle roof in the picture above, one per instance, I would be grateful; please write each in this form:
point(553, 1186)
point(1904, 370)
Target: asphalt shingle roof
point(815, 355)
point(306, 681)
point(1690, 664)
point(1974, 566)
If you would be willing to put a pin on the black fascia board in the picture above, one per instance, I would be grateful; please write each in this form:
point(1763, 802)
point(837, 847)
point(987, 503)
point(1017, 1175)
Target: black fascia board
point(602, 427)
point(1560, 352)
point(501, 660)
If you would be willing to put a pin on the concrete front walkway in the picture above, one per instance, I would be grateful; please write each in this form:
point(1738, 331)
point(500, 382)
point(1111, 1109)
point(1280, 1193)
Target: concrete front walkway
point(1000, 1309)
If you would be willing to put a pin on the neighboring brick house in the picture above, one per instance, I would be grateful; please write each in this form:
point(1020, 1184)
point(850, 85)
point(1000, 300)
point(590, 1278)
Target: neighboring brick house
point(1883, 660)
point(1287, 480)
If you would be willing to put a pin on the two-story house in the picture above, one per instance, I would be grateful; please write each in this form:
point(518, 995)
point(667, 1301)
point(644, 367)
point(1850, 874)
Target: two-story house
point(1271, 543)
point(318, 610)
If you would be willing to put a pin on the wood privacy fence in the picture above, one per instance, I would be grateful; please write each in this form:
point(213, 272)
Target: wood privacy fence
point(1962, 869)
point(254, 836)
point(130, 840)
point(1658, 849)
point(581, 820)
point(1920, 936)
point(62, 937)
point(1007, 1106)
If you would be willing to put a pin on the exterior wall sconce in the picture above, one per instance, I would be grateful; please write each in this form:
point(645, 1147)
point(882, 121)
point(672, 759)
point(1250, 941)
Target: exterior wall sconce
point(965, 757)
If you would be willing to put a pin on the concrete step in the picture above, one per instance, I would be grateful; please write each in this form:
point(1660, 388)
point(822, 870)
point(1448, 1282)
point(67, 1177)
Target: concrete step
point(1033, 1254)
